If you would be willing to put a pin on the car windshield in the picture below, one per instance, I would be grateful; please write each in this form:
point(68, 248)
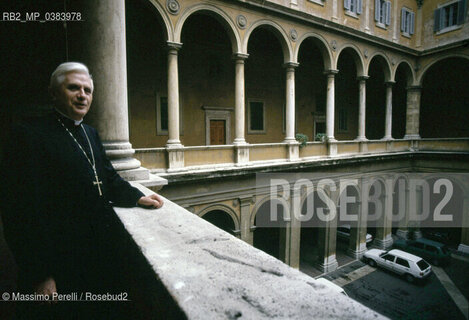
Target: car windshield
point(382, 254)
point(423, 264)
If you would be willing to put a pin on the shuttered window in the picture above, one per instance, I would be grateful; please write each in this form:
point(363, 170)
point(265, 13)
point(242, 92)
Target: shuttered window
point(353, 6)
point(383, 12)
point(449, 15)
point(407, 21)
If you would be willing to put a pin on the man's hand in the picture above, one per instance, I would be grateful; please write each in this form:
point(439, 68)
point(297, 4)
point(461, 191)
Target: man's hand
point(152, 201)
point(47, 287)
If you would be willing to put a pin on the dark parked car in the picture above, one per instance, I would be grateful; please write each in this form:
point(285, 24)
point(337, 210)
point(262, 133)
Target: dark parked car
point(435, 252)
point(437, 235)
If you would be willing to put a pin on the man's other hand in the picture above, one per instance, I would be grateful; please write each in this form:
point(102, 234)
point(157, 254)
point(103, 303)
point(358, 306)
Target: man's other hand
point(152, 201)
point(47, 287)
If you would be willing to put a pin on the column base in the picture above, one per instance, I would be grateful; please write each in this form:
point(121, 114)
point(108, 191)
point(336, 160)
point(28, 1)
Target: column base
point(357, 253)
point(175, 157)
point(417, 234)
point(331, 147)
point(463, 248)
point(401, 233)
point(328, 265)
point(135, 174)
point(293, 150)
point(412, 137)
point(361, 139)
point(387, 138)
point(241, 154)
point(383, 244)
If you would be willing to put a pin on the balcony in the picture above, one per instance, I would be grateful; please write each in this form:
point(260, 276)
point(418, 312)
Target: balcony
point(203, 272)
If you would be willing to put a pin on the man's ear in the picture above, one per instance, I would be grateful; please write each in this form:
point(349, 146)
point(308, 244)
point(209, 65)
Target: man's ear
point(52, 94)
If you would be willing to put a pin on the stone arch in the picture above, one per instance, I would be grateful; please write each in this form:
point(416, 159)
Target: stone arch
point(166, 20)
point(321, 43)
point(267, 198)
point(384, 62)
point(409, 71)
point(221, 207)
point(279, 33)
point(357, 58)
point(421, 74)
point(223, 18)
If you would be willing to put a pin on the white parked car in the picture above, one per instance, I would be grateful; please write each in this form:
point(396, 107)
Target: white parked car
point(343, 232)
point(400, 262)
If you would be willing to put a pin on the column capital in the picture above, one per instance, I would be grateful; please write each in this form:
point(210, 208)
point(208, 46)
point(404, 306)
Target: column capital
point(239, 56)
point(330, 72)
point(363, 78)
point(389, 83)
point(174, 45)
point(290, 65)
point(414, 88)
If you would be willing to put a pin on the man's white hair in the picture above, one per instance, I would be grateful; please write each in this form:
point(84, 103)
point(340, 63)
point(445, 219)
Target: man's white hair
point(58, 76)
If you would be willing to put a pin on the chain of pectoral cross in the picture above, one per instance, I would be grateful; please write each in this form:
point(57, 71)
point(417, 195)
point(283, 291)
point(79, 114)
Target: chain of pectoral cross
point(92, 163)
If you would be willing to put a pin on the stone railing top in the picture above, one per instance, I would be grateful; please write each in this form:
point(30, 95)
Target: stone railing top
point(213, 275)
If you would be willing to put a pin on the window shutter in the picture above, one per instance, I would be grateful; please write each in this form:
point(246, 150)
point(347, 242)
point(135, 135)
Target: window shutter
point(436, 24)
point(377, 9)
point(388, 13)
point(403, 19)
point(347, 4)
point(359, 6)
point(461, 11)
point(412, 23)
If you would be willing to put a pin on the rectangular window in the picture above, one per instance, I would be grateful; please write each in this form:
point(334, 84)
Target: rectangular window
point(256, 117)
point(383, 12)
point(402, 262)
point(353, 6)
point(407, 21)
point(450, 15)
point(164, 113)
point(343, 127)
point(162, 120)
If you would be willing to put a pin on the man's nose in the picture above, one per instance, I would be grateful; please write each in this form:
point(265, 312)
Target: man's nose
point(81, 93)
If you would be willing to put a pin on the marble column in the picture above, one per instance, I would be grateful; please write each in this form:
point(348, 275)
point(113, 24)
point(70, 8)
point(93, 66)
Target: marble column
point(413, 112)
point(174, 147)
point(241, 147)
point(290, 102)
point(388, 121)
point(358, 231)
point(464, 244)
point(239, 99)
point(330, 108)
point(100, 44)
point(173, 95)
point(245, 220)
point(327, 240)
point(403, 223)
point(361, 108)
point(383, 239)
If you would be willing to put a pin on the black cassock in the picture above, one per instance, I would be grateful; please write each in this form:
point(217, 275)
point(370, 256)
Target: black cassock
point(55, 222)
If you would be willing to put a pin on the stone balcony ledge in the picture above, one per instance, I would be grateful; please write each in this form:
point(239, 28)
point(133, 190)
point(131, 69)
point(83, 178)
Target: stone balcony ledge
point(213, 275)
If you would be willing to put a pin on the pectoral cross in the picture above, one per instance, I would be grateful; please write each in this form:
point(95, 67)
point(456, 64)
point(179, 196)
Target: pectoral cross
point(97, 183)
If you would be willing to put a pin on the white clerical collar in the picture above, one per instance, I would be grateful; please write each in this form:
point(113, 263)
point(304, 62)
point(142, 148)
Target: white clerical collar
point(76, 122)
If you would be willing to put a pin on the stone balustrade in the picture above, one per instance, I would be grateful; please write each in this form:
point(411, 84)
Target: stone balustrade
point(206, 157)
point(205, 273)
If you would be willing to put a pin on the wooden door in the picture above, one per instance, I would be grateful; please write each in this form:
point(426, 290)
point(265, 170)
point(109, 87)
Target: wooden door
point(217, 132)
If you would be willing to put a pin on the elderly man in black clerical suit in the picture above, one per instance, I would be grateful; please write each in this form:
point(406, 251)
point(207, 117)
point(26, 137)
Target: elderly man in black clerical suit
point(57, 193)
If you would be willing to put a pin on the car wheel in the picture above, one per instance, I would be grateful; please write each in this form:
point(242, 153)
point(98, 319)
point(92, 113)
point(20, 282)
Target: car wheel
point(409, 278)
point(372, 262)
point(436, 262)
